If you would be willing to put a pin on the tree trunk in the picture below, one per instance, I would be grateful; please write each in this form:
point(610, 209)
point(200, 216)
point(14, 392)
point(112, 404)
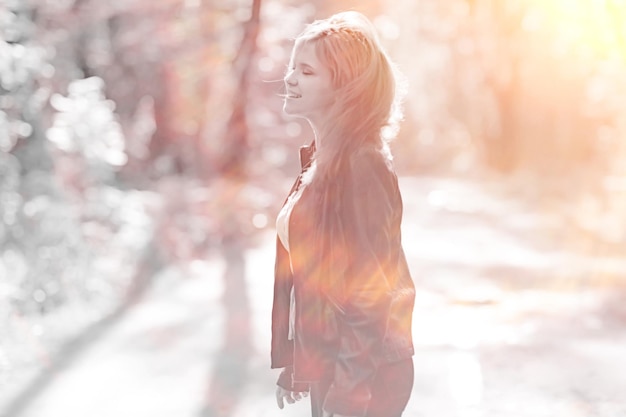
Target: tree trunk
point(236, 144)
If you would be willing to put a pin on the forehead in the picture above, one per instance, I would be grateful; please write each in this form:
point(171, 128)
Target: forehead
point(305, 52)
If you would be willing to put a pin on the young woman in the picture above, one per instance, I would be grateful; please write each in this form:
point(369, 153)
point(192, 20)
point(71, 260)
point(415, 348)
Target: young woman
point(343, 295)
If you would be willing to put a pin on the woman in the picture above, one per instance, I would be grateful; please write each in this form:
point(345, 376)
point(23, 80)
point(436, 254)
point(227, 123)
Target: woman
point(343, 296)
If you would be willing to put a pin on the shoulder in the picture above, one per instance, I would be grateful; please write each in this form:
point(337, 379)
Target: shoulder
point(370, 175)
point(368, 163)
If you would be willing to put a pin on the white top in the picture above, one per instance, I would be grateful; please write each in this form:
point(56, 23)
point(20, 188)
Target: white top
point(282, 221)
point(282, 229)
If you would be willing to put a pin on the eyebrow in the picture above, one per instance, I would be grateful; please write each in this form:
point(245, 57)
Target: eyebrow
point(294, 63)
point(305, 65)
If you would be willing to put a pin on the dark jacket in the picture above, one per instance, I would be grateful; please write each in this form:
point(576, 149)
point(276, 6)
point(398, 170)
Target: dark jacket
point(354, 294)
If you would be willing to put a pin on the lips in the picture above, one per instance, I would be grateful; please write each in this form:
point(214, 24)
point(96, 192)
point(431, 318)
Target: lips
point(293, 95)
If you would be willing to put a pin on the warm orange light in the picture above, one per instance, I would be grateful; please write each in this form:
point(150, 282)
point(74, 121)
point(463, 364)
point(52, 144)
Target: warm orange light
point(595, 29)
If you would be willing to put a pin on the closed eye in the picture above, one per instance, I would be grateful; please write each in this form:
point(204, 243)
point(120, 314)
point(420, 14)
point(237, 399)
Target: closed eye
point(304, 69)
point(307, 70)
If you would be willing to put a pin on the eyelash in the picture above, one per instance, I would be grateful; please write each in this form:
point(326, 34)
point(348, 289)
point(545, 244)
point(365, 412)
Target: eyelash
point(305, 72)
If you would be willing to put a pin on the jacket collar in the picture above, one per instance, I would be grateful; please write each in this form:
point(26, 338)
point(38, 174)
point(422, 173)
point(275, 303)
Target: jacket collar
point(306, 155)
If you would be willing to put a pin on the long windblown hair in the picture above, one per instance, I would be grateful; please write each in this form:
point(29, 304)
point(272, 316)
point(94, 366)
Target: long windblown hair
point(369, 89)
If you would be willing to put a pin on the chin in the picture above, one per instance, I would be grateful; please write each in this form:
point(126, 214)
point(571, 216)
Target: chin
point(290, 111)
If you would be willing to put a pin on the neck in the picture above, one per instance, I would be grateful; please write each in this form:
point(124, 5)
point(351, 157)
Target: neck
point(319, 124)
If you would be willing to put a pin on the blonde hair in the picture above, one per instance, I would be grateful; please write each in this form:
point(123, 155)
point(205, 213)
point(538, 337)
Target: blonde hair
point(368, 87)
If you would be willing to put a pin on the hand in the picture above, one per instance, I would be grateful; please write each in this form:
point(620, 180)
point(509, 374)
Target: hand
point(290, 396)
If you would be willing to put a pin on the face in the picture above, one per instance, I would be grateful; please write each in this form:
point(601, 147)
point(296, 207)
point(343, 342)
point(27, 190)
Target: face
point(308, 84)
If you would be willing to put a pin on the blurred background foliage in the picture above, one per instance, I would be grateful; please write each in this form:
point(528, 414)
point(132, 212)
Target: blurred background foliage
point(137, 133)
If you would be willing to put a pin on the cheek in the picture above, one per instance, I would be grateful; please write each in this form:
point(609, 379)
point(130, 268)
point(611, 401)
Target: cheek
point(328, 96)
point(325, 92)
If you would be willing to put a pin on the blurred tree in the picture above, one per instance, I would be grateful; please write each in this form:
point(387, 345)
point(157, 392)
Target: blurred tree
point(503, 76)
point(510, 82)
point(26, 186)
point(66, 237)
point(236, 142)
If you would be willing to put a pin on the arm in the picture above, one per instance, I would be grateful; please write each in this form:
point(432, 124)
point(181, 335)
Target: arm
point(367, 210)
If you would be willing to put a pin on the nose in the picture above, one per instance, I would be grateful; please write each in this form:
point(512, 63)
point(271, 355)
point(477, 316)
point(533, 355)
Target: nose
point(290, 79)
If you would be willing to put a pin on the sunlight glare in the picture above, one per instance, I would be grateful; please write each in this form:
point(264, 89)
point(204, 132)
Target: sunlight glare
point(465, 379)
point(596, 26)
